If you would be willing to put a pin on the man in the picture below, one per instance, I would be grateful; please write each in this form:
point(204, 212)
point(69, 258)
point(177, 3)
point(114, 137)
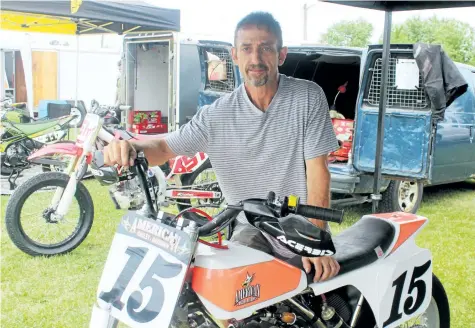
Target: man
point(273, 133)
point(120, 84)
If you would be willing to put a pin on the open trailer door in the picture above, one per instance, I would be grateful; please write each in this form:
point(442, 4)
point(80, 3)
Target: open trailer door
point(151, 83)
point(408, 119)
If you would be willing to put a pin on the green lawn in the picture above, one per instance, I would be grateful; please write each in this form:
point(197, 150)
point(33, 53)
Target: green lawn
point(59, 292)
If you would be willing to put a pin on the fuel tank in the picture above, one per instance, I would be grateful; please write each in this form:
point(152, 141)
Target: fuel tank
point(235, 282)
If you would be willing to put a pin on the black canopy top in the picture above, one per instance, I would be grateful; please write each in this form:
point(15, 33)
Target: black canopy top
point(403, 5)
point(99, 16)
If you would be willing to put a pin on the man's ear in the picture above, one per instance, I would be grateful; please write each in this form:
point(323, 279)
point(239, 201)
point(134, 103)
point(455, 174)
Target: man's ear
point(282, 55)
point(234, 54)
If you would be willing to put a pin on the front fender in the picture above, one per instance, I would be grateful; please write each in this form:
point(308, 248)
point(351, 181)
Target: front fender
point(64, 148)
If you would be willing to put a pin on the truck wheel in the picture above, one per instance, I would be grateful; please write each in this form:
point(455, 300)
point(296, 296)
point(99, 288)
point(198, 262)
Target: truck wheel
point(402, 196)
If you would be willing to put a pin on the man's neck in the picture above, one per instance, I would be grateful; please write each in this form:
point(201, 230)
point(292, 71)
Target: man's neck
point(261, 97)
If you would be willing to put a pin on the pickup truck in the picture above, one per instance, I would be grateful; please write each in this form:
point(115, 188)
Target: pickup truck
point(418, 151)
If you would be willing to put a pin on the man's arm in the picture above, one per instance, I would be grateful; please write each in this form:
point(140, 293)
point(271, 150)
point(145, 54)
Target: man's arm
point(318, 185)
point(320, 140)
point(157, 151)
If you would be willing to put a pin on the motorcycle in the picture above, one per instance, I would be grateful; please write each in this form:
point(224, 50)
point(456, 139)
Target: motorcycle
point(14, 112)
point(124, 191)
point(159, 272)
point(19, 140)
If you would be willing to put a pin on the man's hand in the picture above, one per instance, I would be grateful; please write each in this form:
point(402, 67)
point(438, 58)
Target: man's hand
point(119, 152)
point(326, 267)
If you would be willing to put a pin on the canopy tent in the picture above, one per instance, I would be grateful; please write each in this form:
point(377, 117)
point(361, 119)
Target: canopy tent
point(82, 17)
point(389, 7)
point(86, 16)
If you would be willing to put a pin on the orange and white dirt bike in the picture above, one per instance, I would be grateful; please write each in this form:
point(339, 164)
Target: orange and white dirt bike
point(159, 272)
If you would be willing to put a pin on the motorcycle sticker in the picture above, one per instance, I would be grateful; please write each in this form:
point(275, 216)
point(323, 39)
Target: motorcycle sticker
point(248, 293)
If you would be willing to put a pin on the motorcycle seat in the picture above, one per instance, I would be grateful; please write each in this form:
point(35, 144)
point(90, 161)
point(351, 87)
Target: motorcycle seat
point(37, 126)
point(358, 245)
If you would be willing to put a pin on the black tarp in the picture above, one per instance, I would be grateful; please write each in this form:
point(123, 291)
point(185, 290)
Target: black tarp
point(137, 16)
point(403, 5)
point(443, 82)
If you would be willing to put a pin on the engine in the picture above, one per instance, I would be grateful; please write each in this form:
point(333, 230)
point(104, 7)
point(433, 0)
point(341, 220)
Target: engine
point(127, 194)
point(303, 311)
point(17, 153)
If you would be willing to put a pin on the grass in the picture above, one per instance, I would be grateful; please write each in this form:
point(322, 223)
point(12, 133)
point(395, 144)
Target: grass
point(60, 291)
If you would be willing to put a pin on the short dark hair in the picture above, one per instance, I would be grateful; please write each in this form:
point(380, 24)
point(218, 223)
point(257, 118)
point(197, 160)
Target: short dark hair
point(260, 18)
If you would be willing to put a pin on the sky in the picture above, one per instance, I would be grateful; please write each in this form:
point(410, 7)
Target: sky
point(209, 17)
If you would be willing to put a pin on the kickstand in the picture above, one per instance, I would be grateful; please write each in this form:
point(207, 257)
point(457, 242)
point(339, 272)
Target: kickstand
point(12, 183)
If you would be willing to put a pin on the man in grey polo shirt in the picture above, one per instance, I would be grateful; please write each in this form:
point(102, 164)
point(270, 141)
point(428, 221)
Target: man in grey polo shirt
point(273, 133)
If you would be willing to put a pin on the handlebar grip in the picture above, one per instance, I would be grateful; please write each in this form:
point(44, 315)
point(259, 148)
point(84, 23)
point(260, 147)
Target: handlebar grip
point(321, 213)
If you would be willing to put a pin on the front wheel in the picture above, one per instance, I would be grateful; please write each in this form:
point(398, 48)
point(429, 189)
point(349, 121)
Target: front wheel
point(30, 202)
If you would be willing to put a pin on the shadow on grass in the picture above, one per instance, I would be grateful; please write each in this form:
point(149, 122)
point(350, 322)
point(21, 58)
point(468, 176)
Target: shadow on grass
point(446, 189)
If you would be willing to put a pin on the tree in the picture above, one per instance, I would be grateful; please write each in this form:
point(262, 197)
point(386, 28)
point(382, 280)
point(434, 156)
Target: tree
point(355, 33)
point(457, 38)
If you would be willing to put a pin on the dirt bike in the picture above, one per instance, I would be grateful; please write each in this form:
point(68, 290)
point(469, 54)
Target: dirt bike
point(161, 273)
point(19, 140)
point(14, 112)
point(124, 191)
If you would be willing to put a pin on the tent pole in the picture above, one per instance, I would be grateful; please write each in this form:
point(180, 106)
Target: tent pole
point(2, 74)
point(77, 70)
point(376, 196)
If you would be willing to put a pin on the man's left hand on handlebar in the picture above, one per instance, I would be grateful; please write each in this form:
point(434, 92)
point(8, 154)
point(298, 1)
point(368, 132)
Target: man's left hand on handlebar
point(326, 267)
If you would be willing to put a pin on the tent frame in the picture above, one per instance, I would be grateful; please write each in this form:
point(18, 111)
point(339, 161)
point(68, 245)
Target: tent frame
point(83, 26)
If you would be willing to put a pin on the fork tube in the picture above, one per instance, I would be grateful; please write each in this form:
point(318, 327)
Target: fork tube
point(67, 196)
point(356, 315)
point(59, 191)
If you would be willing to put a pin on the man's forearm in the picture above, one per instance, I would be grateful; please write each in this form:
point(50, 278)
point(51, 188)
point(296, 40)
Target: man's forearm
point(318, 190)
point(156, 151)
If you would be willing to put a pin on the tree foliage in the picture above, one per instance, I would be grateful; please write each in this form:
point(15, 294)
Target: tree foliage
point(457, 38)
point(356, 33)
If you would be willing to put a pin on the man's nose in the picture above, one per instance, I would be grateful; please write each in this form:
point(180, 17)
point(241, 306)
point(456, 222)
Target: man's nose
point(256, 57)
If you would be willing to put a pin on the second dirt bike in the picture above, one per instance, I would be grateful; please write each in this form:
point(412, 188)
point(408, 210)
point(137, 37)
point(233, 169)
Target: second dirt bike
point(68, 187)
point(159, 273)
point(20, 140)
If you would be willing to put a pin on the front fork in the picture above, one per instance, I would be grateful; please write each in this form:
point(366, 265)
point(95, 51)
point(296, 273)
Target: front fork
point(63, 196)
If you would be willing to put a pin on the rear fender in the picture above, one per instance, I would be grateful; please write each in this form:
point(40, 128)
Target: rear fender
point(406, 225)
point(57, 148)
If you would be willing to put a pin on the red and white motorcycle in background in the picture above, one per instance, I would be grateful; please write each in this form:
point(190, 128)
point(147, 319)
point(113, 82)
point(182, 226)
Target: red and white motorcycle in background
point(184, 184)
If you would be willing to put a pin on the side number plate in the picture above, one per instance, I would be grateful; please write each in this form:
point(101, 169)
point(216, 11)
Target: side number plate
point(145, 271)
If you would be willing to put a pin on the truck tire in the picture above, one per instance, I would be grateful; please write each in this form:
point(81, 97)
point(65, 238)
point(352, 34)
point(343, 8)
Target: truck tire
point(402, 196)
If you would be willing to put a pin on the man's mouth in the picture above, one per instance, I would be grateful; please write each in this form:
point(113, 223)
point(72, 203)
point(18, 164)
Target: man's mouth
point(258, 69)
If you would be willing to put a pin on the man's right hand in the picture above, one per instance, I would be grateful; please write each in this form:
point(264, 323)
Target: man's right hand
point(120, 152)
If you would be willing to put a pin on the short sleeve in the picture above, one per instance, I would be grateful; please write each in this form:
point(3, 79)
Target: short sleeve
point(193, 136)
point(319, 137)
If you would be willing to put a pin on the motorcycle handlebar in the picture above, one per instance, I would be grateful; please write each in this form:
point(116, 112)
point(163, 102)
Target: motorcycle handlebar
point(321, 213)
point(309, 211)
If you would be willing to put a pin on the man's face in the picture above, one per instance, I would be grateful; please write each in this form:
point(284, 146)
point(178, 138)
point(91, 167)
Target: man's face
point(257, 55)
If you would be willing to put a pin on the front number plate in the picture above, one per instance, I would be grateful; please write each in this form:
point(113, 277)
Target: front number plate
point(145, 271)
